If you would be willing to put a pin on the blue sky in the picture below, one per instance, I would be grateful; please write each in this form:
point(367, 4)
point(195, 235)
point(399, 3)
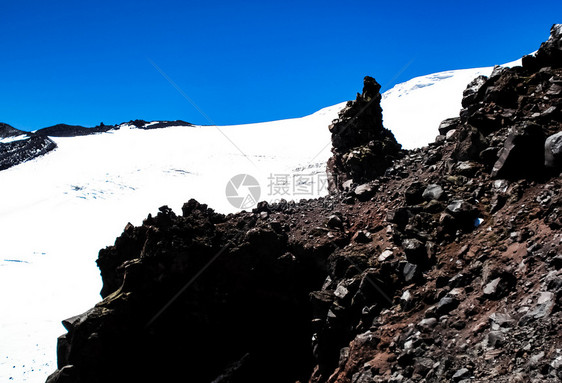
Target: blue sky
point(85, 62)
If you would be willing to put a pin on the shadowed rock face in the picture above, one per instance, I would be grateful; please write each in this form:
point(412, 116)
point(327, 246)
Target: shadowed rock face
point(446, 267)
point(64, 130)
point(362, 148)
point(29, 147)
point(507, 117)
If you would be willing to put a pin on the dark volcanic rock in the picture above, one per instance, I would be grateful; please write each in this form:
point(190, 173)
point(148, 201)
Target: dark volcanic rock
point(432, 192)
point(553, 151)
point(550, 52)
point(64, 130)
point(219, 327)
point(522, 153)
point(362, 148)
point(14, 152)
point(8, 131)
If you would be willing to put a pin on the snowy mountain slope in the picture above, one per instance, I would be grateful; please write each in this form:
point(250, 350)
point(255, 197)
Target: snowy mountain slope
point(58, 210)
point(413, 109)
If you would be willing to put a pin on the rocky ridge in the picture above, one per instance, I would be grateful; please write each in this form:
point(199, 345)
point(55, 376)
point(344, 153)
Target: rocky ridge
point(444, 267)
point(64, 130)
point(22, 146)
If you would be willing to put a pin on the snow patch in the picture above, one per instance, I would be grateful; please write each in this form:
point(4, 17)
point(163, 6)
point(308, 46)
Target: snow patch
point(8, 140)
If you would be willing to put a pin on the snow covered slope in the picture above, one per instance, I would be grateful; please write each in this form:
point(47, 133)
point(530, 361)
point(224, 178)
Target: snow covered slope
point(413, 109)
point(58, 210)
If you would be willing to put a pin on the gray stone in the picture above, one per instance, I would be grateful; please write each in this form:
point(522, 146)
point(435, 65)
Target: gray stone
point(495, 339)
point(535, 359)
point(543, 308)
point(427, 324)
point(406, 300)
point(501, 321)
point(365, 376)
point(461, 374)
point(457, 207)
point(341, 291)
point(335, 221)
point(415, 251)
point(65, 374)
point(450, 134)
point(433, 192)
point(446, 305)
point(448, 125)
point(423, 365)
point(466, 168)
point(553, 151)
point(346, 186)
point(410, 272)
point(557, 363)
point(470, 94)
point(364, 192)
point(491, 288)
point(385, 255)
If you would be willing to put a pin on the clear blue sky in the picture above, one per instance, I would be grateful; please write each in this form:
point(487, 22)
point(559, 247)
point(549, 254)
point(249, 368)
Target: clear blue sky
point(84, 62)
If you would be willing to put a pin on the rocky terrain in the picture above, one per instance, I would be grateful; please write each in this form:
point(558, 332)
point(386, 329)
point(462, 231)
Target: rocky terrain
point(445, 266)
point(17, 146)
point(64, 130)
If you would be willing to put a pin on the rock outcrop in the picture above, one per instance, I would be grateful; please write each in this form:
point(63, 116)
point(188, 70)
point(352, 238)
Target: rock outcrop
point(444, 266)
point(362, 148)
point(17, 146)
point(65, 130)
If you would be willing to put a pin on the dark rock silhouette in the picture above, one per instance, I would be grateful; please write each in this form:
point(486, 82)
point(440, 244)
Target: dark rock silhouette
point(362, 148)
point(64, 130)
point(30, 146)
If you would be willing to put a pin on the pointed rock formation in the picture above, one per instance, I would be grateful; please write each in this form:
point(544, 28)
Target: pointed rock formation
point(362, 148)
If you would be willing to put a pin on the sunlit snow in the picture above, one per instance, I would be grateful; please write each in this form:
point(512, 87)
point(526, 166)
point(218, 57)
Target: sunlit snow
point(8, 140)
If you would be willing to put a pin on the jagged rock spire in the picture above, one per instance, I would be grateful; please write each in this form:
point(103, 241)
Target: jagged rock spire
point(362, 148)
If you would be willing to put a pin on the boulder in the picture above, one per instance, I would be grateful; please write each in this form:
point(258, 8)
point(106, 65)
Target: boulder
point(415, 251)
point(364, 192)
point(448, 125)
point(464, 214)
point(432, 192)
point(553, 151)
point(461, 374)
point(414, 193)
point(446, 304)
point(471, 93)
point(522, 154)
